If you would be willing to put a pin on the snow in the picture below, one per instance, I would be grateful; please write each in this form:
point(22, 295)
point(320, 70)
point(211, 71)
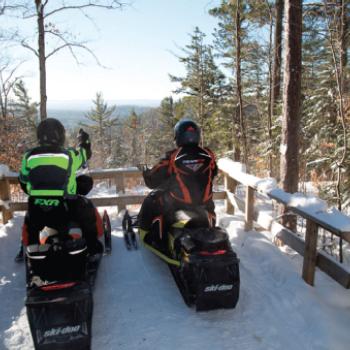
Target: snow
point(138, 306)
point(5, 171)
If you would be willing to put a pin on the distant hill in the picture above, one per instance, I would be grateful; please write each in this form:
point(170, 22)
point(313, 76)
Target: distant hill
point(71, 117)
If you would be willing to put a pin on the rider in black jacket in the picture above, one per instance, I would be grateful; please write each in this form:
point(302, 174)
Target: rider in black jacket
point(183, 179)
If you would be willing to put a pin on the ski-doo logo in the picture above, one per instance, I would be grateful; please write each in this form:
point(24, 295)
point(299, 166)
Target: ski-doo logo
point(218, 288)
point(61, 331)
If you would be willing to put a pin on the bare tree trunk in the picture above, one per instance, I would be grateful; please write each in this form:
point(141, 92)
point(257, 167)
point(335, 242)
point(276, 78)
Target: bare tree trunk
point(344, 27)
point(239, 82)
point(42, 59)
point(276, 76)
point(289, 167)
point(276, 73)
point(269, 102)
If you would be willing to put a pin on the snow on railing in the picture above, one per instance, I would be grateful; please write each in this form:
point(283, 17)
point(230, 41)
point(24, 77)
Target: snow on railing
point(313, 209)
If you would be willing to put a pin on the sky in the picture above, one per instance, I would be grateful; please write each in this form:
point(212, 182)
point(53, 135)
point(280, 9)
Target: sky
point(137, 45)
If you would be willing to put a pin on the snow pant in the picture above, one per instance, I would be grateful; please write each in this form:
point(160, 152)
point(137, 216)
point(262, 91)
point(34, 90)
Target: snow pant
point(157, 215)
point(58, 213)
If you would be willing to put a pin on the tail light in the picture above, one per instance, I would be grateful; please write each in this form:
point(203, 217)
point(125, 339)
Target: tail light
point(216, 252)
point(57, 286)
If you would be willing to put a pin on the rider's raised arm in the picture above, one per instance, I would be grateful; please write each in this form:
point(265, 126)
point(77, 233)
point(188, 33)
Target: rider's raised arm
point(83, 153)
point(23, 174)
point(159, 174)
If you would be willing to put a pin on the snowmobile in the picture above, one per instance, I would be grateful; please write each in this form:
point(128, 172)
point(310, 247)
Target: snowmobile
point(60, 276)
point(200, 257)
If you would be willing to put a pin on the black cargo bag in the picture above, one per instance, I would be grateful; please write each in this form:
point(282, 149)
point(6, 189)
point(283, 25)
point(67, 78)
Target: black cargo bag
point(212, 268)
point(61, 319)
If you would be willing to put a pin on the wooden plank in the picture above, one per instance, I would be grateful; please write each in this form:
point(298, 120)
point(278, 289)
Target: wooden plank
point(333, 268)
point(111, 201)
point(310, 253)
point(230, 187)
point(95, 174)
point(249, 209)
point(219, 195)
point(5, 195)
point(326, 263)
point(113, 173)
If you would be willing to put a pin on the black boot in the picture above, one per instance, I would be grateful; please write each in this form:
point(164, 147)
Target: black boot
point(20, 255)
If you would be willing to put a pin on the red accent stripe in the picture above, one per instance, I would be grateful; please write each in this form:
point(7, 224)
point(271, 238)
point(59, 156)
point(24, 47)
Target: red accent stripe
point(57, 286)
point(163, 163)
point(99, 224)
point(185, 192)
point(25, 238)
point(217, 252)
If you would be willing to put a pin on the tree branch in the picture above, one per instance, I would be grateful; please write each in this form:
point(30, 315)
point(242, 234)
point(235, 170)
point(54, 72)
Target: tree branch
point(113, 6)
point(24, 44)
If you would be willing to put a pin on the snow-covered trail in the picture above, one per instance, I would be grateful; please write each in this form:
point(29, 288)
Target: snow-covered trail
point(138, 306)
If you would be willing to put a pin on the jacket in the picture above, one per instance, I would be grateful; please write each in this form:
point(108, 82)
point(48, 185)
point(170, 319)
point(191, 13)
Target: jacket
point(187, 173)
point(49, 171)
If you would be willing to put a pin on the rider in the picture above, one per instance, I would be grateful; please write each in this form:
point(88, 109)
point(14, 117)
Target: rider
point(183, 179)
point(48, 176)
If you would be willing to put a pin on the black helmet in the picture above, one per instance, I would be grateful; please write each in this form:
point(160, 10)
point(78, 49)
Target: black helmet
point(186, 132)
point(50, 131)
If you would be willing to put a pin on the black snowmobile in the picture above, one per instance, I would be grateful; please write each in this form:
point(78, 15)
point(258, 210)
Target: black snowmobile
point(201, 259)
point(60, 277)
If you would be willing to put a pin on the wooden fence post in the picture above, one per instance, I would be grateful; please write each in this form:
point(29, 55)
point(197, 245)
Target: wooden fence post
point(120, 188)
point(249, 208)
point(5, 195)
point(230, 187)
point(310, 253)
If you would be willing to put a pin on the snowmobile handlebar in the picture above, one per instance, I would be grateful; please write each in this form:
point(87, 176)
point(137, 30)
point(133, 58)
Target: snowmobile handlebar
point(142, 167)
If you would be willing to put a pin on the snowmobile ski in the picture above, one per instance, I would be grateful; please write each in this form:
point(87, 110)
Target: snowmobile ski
point(128, 232)
point(107, 232)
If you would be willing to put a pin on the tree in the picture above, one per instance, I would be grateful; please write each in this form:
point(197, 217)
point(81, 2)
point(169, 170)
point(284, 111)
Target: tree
point(26, 111)
point(101, 126)
point(203, 82)
point(8, 80)
point(291, 101)
point(230, 42)
point(44, 12)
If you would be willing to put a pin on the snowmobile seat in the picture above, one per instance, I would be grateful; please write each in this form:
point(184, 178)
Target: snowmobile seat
point(192, 218)
point(58, 261)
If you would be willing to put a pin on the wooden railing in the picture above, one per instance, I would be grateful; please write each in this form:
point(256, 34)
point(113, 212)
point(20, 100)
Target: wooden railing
point(307, 248)
point(120, 200)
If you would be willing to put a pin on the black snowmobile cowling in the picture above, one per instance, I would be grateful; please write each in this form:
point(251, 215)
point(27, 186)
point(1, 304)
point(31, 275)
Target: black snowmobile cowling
point(60, 280)
point(201, 259)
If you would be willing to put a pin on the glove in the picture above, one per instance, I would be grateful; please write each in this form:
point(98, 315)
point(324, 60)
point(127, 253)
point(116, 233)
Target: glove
point(83, 138)
point(84, 142)
point(142, 167)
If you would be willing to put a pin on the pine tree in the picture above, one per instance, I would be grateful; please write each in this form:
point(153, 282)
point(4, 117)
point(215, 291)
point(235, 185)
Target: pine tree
point(101, 127)
point(203, 83)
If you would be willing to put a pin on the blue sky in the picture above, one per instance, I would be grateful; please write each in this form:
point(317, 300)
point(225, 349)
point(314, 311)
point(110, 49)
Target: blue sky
point(136, 44)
